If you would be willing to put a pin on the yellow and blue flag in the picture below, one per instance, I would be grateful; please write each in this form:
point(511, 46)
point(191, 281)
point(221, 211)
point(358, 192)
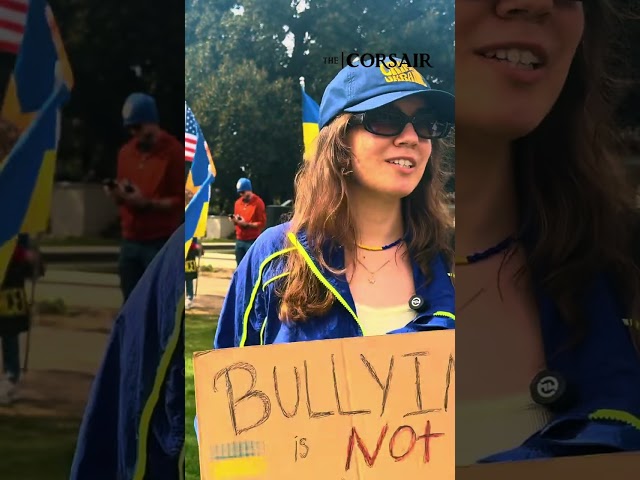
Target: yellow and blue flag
point(310, 119)
point(19, 174)
point(40, 84)
point(201, 175)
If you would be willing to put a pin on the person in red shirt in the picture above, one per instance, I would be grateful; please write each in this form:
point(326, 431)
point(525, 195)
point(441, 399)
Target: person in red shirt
point(148, 189)
point(249, 217)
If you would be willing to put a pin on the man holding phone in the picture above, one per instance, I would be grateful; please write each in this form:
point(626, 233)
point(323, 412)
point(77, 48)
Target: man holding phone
point(147, 190)
point(249, 217)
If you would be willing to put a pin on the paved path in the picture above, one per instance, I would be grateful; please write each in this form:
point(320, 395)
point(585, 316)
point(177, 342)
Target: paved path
point(79, 288)
point(64, 349)
point(210, 285)
point(219, 260)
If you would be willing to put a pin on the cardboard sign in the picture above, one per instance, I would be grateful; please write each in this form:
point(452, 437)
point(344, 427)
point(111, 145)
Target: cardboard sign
point(354, 409)
point(621, 466)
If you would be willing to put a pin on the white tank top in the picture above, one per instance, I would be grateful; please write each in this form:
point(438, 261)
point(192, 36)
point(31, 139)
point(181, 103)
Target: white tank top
point(380, 321)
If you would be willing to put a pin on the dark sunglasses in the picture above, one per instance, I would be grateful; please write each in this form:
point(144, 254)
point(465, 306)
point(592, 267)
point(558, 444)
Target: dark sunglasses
point(391, 123)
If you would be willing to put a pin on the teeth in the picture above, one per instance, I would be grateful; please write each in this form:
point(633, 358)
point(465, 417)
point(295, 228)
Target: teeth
point(402, 163)
point(528, 58)
point(515, 56)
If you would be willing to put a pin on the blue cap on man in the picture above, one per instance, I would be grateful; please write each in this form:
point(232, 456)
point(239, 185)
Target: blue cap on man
point(244, 185)
point(139, 108)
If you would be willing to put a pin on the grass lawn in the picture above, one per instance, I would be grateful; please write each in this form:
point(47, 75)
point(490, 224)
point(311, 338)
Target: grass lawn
point(199, 330)
point(37, 448)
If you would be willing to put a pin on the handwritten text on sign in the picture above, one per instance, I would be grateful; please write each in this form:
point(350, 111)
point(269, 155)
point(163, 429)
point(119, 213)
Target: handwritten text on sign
point(322, 407)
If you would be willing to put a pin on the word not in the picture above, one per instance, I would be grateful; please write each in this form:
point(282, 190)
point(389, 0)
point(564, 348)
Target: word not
point(417, 60)
point(395, 453)
point(265, 401)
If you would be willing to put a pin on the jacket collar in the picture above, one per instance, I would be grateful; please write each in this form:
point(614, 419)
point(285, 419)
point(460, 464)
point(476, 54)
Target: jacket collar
point(439, 293)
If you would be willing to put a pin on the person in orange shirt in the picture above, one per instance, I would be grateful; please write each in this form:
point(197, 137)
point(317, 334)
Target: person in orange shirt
point(147, 190)
point(249, 217)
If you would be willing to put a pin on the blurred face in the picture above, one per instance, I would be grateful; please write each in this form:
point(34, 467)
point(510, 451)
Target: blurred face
point(512, 60)
point(144, 133)
point(390, 165)
point(246, 196)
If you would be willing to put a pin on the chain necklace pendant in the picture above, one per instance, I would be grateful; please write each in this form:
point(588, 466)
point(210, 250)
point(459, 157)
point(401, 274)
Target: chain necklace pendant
point(372, 275)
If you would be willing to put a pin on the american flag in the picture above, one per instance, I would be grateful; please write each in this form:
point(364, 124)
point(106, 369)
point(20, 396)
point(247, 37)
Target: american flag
point(190, 134)
point(13, 18)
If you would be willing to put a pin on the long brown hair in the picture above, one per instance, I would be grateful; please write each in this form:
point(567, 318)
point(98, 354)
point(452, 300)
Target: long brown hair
point(574, 200)
point(323, 212)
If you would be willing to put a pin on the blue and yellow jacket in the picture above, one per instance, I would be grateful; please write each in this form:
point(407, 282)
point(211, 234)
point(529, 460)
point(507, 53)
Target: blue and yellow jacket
point(249, 314)
point(601, 410)
point(133, 425)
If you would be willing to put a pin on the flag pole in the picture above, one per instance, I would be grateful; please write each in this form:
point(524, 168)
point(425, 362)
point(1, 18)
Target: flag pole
point(302, 83)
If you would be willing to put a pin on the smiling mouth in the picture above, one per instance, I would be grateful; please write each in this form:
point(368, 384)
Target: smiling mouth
point(402, 162)
point(515, 57)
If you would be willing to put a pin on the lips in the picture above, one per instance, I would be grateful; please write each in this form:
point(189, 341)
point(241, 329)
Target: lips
point(520, 54)
point(402, 162)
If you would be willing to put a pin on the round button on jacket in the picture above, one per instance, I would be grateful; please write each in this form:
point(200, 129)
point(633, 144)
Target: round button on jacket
point(417, 303)
point(550, 389)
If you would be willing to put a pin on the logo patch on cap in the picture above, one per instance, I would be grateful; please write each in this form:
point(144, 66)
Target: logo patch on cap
point(402, 73)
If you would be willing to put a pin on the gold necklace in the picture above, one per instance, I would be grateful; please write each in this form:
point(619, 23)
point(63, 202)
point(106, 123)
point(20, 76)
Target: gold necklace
point(372, 277)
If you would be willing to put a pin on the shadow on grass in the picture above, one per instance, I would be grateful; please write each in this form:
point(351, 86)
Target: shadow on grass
point(37, 448)
point(199, 331)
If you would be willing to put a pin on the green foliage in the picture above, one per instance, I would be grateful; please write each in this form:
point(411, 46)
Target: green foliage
point(242, 82)
point(199, 331)
point(104, 41)
point(37, 446)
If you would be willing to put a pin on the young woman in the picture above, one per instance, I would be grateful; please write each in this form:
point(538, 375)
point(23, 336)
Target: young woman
point(546, 288)
point(367, 251)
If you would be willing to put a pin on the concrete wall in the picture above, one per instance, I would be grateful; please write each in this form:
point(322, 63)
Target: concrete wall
point(219, 227)
point(80, 210)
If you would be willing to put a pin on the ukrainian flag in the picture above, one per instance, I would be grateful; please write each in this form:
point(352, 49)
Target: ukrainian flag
point(310, 119)
point(199, 180)
point(19, 175)
point(41, 83)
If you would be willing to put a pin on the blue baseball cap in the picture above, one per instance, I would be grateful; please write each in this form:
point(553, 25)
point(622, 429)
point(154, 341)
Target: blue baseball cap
point(359, 89)
point(244, 185)
point(139, 108)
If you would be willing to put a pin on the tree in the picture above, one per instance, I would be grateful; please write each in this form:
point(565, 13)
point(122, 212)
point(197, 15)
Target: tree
point(252, 131)
point(116, 48)
point(243, 61)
